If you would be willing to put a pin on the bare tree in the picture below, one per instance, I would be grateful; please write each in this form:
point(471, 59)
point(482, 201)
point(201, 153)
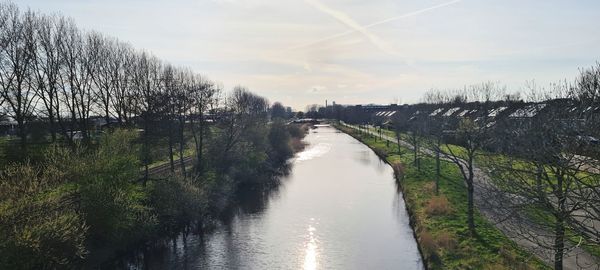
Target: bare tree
point(46, 69)
point(121, 66)
point(103, 69)
point(541, 170)
point(244, 110)
point(587, 92)
point(16, 57)
point(183, 105)
point(146, 80)
point(170, 96)
point(78, 54)
point(205, 97)
point(472, 137)
point(435, 131)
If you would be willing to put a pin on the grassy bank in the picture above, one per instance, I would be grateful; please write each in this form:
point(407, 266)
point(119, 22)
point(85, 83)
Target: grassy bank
point(486, 159)
point(440, 222)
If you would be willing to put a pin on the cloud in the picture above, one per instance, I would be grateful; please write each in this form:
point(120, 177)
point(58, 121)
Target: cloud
point(355, 26)
point(364, 28)
point(318, 88)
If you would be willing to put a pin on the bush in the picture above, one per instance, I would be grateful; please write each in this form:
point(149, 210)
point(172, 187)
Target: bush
point(279, 138)
point(438, 205)
point(446, 240)
point(115, 207)
point(297, 131)
point(427, 242)
point(429, 247)
point(177, 202)
point(40, 225)
point(429, 188)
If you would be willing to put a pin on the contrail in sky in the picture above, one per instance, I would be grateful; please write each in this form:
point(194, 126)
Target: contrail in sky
point(362, 29)
point(352, 24)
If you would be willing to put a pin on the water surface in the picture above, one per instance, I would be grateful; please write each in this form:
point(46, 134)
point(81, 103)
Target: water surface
point(339, 208)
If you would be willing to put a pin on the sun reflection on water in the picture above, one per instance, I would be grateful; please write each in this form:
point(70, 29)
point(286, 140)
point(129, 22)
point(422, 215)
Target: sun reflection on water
point(313, 152)
point(311, 250)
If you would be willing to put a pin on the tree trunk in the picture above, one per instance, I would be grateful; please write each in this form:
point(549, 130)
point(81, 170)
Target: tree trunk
point(145, 174)
point(398, 142)
point(171, 161)
point(146, 151)
point(559, 230)
point(22, 135)
point(437, 168)
point(181, 143)
point(415, 148)
point(200, 145)
point(470, 219)
point(559, 243)
point(52, 127)
point(107, 115)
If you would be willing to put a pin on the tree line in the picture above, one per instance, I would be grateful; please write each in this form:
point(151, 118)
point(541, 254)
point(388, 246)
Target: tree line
point(85, 196)
point(56, 77)
point(531, 158)
point(542, 161)
point(52, 71)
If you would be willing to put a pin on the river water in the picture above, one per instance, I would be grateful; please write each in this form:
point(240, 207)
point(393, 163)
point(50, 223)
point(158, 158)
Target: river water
point(339, 208)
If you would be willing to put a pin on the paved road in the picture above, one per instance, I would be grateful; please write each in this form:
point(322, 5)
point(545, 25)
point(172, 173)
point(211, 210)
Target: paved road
point(498, 207)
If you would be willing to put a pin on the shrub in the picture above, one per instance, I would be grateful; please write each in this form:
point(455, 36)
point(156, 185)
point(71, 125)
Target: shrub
point(114, 206)
point(427, 241)
point(429, 247)
point(40, 226)
point(177, 202)
point(429, 188)
point(438, 205)
point(446, 240)
point(279, 138)
point(297, 131)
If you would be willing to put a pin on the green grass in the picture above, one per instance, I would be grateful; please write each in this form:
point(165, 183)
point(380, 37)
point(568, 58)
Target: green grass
point(484, 158)
point(489, 250)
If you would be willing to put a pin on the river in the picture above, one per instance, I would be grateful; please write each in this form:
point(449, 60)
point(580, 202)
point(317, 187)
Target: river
point(339, 208)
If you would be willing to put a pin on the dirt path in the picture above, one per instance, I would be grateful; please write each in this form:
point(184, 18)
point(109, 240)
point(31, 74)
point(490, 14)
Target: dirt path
point(498, 207)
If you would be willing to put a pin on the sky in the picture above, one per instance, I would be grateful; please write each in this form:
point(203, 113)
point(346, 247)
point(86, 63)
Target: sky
point(302, 52)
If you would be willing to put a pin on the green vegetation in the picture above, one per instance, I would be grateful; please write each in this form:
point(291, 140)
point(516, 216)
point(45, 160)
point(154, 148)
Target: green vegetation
point(82, 206)
point(440, 222)
point(539, 213)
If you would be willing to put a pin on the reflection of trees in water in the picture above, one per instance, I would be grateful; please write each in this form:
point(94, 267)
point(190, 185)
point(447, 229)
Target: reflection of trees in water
point(363, 156)
point(253, 197)
point(398, 206)
point(189, 250)
point(184, 251)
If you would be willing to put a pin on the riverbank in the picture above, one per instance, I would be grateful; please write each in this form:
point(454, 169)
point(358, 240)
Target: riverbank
point(439, 221)
point(198, 206)
point(338, 208)
point(84, 207)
